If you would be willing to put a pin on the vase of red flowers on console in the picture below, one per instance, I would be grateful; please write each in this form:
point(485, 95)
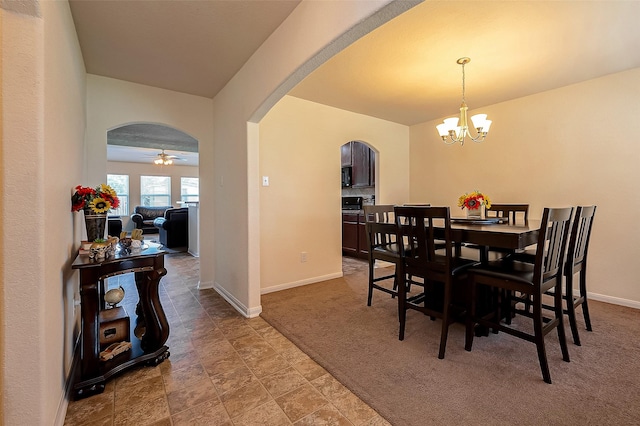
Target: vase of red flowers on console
point(95, 203)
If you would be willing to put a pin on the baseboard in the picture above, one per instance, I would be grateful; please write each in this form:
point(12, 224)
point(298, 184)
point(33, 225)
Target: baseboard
point(204, 285)
point(294, 284)
point(239, 306)
point(68, 388)
point(613, 300)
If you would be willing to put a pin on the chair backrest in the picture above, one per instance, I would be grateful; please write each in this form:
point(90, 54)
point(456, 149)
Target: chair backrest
point(422, 230)
point(579, 240)
point(552, 245)
point(381, 213)
point(510, 211)
point(380, 225)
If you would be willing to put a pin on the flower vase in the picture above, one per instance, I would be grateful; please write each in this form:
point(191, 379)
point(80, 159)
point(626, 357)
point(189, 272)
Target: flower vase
point(478, 213)
point(95, 224)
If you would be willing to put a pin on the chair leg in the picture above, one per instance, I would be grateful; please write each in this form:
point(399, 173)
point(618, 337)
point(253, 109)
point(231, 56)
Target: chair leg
point(561, 334)
point(539, 337)
point(402, 301)
point(583, 293)
point(571, 309)
point(395, 282)
point(471, 314)
point(370, 296)
point(444, 333)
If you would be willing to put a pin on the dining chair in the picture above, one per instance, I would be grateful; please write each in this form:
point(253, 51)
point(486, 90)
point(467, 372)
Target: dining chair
point(577, 264)
point(516, 213)
point(421, 231)
point(381, 238)
point(532, 280)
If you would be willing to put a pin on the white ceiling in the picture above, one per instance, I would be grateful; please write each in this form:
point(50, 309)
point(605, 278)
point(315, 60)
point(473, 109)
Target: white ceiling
point(405, 71)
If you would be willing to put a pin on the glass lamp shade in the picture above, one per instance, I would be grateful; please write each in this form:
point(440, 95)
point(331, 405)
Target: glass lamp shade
point(480, 122)
point(443, 130)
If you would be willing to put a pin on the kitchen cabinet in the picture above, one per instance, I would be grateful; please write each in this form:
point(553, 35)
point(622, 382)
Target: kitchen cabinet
point(362, 160)
point(354, 235)
point(345, 154)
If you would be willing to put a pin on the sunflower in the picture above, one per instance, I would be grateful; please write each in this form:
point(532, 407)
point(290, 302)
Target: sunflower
point(100, 205)
point(99, 199)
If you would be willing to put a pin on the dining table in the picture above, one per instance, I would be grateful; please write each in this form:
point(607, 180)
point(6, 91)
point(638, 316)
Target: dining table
point(493, 232)
point(483, 234)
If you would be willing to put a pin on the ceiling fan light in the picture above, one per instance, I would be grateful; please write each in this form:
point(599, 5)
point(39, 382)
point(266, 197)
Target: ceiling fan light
point(158, 161)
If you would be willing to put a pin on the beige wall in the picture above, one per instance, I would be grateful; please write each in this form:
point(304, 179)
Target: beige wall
point(308, 37)
point(300, 210)
point(112, 103)
point(43, 93)
point(570, 146)
point(135, 170)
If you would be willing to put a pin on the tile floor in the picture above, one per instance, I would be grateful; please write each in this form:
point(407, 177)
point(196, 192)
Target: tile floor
point(224, 369)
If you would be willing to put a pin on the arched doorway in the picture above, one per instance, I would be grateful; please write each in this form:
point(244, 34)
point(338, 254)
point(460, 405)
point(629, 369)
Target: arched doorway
point(139, 154)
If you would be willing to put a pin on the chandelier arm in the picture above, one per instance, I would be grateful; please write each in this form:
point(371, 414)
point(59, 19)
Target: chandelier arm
point(479, 137)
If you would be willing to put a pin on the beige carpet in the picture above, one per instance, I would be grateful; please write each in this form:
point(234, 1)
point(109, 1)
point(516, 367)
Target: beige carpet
point(498, 383)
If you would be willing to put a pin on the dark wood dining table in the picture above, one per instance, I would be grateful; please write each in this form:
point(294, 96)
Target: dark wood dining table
point(501, 235)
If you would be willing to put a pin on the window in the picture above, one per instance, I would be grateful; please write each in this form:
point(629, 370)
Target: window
point(189, 189)
point(155, 191)
point(120, 183)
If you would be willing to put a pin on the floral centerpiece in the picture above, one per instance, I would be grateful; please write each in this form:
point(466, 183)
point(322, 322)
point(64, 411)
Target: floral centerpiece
point(95, 202)
point(99, 199)
point(475, 202)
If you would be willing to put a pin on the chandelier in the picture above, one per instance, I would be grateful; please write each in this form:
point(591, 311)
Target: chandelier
point(457, 133)
point(163, 159)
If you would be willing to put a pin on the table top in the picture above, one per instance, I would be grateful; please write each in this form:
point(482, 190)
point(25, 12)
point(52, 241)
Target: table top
point(501, 235)
point(149, 249)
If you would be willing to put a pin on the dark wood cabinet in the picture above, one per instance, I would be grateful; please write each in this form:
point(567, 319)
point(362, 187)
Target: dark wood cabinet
point(345, 154)
point(362, 160)
point(350, 234)
point(354, 235)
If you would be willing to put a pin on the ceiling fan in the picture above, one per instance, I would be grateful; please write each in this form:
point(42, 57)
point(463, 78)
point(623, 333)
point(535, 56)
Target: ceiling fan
point(165, 159)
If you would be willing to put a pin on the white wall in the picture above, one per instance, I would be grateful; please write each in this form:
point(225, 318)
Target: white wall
point(565, 147)
point(42, 134)
point(135, 170)
point(300, 210)
point(308, 37)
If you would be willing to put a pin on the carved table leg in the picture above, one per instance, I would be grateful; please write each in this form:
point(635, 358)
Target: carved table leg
point(155, 322)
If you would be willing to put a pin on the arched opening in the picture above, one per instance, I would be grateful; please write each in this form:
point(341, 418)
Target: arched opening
point(358, 189)
point(152, 165)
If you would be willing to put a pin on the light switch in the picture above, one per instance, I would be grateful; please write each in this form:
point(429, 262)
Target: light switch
point(265, 180)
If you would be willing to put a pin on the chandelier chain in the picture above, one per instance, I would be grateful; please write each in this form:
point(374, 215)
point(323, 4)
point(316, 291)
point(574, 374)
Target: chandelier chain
point(463, 84)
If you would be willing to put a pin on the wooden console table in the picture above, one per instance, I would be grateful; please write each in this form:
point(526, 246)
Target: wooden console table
point(148, 322)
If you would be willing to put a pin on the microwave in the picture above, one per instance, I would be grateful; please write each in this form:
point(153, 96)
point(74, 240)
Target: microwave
point(346, 176)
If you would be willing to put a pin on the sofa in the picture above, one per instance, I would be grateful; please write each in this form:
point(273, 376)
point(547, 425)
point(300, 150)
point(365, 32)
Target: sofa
point(144, 216)
point(173, 227)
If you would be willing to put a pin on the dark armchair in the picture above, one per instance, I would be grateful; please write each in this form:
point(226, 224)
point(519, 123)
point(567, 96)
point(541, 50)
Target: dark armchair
point(174, 227)
point(143, 217)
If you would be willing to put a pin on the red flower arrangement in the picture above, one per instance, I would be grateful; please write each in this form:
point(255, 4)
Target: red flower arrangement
point(99, 199)
point(474, 200)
